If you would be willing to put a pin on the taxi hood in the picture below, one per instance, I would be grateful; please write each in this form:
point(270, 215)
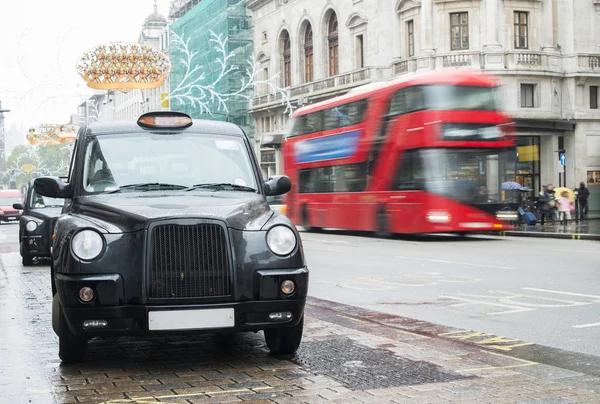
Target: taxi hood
point(133, 211)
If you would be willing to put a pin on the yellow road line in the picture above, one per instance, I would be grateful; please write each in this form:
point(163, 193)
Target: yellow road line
point(141, 400)
point(350, 318)
point(454, 332)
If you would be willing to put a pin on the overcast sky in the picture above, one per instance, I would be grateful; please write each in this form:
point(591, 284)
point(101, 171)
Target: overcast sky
point(40, 42)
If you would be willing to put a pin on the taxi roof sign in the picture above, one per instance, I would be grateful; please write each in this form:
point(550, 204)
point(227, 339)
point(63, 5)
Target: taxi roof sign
point(165, 120)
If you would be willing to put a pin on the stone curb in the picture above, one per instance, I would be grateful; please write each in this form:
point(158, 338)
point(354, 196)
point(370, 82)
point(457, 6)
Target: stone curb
point(564, 236)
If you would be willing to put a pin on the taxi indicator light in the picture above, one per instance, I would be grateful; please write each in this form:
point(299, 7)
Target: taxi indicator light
point(165, 120)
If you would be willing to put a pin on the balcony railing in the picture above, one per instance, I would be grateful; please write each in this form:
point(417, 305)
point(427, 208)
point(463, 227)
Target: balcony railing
point(589, 62)
point(345, 80)
point(529, 58)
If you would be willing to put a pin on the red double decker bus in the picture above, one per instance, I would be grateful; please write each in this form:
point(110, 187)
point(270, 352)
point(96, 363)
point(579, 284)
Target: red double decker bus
point(423, 154)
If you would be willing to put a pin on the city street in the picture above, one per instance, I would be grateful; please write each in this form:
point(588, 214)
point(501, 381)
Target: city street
point(544, 291)
point(413, 320)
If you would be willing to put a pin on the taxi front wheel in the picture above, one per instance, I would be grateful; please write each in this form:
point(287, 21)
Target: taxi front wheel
point(284, 341)
point(71, 348)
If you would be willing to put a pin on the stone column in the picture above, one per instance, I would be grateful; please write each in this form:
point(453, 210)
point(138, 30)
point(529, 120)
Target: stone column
point(548, 40)
point(426, 30)
point(491, 25)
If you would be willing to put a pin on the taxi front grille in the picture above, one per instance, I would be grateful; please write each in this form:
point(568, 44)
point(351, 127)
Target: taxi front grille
point(189, 262)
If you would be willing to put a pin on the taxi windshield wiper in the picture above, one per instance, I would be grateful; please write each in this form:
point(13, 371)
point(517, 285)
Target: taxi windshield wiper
point(142, 185)
point(222, 185)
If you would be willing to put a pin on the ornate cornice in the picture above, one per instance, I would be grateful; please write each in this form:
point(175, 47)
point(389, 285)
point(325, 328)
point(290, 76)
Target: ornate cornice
point(406, 5)
point(355, 20)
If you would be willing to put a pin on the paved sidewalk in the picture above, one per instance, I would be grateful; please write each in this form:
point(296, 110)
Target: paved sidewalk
point(348, 355)
point(583, 230)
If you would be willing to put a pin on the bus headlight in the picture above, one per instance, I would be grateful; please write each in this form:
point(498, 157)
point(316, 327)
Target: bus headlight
point(507, 215)
point(438, 217)
point(87, 244)
point(281, 240)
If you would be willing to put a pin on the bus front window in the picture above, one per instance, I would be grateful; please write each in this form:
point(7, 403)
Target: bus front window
point(471, 176)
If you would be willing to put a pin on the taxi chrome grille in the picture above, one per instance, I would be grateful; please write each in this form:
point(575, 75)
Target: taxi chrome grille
point(189, 261)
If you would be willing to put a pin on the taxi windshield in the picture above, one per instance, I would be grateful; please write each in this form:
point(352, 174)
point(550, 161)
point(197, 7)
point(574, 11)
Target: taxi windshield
point(147, 161)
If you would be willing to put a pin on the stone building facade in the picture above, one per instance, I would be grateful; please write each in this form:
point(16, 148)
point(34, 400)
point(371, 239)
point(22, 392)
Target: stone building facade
point(546, 53)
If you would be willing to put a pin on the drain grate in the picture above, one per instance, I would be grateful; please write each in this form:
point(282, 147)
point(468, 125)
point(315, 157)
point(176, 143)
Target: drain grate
point(358, 367)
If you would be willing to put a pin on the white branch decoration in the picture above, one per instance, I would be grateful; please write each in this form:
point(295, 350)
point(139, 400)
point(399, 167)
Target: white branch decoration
point(194, 90)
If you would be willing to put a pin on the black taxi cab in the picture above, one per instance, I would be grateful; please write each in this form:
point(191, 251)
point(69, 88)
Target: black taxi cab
point(166, 229)
point(36, 224)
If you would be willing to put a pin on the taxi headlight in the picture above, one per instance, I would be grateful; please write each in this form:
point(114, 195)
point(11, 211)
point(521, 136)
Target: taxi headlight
point(31, 225)
point(281, 240)
point(87, 244)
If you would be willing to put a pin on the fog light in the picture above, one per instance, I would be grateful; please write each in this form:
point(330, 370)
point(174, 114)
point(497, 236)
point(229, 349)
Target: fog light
point(288, 287)
point(280, 316)
point(86, 294)
point(87, 324)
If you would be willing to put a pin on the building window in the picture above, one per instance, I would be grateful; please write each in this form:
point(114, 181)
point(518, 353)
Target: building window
point(527, 98)
point(264, 36)
point(308, 54)
point(287, 59)
point(593, 97)
point(521, 40)
point(360, 58)
point(459, 31)
point(410, 34)
point(333, 45)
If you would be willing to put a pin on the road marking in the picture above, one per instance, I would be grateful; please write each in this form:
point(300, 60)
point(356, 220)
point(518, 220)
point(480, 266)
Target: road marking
point(488, 340)
point(351, 318)
point(410, 280)
point(511, 295)
point(452, 262)
point(587, 325)
point(205, 393)
point(523, 363)
point(514, 309)
point(454, 332)
point(562, 293)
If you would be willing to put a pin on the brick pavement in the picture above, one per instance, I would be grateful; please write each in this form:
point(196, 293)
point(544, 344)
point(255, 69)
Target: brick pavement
point(343, 359)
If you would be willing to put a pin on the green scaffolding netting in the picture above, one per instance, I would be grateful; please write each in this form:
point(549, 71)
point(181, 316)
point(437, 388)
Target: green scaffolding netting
point(228, 18)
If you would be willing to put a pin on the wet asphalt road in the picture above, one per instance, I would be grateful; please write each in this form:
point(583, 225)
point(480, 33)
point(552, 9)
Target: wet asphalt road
point(542, 291)
point(349, 354)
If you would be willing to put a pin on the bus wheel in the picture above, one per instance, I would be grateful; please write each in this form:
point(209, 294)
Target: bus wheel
point(382, 223)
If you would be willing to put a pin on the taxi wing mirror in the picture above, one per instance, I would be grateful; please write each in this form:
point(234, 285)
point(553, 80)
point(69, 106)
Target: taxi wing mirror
point(18, 206)
point(52, 187)
point(278, 185)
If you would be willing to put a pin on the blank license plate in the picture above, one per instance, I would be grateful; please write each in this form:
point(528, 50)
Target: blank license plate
point(191, 319)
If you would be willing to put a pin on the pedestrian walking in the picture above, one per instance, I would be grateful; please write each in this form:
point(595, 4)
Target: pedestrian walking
point(582, 198)
point(564, 208)
point(548, 203)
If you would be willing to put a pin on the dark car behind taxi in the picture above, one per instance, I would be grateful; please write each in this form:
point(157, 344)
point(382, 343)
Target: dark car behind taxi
point(166, 228)
point(36, 224)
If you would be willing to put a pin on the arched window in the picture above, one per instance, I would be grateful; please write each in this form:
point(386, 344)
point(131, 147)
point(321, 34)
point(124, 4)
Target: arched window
point(287, 59)
point(308, 54)
point(332, 42)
